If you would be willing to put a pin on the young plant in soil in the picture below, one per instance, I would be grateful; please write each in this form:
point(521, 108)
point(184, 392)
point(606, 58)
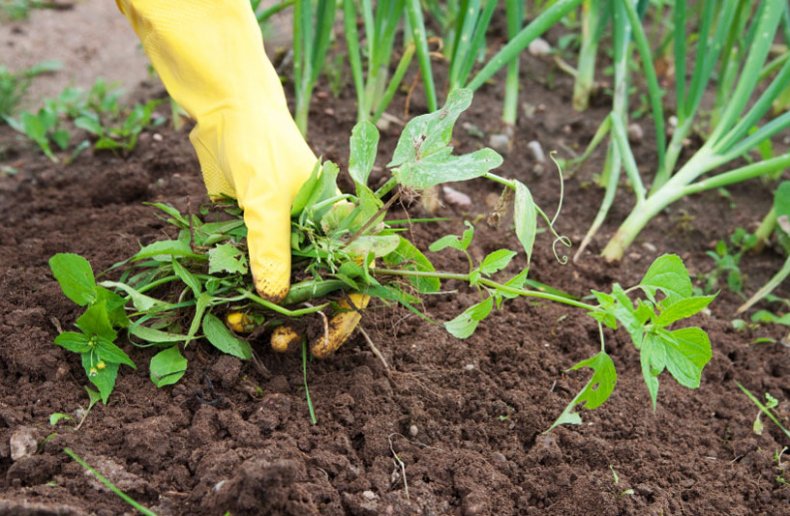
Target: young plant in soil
point(735, 128)
point(343, 245)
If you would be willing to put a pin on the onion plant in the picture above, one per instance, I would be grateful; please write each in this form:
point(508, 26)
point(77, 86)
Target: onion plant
point(734, 133)
point(595, 16)
point(376, 88)
point(313, 23)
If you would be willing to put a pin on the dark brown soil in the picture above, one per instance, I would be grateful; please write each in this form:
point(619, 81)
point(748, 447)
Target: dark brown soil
point(459, 422)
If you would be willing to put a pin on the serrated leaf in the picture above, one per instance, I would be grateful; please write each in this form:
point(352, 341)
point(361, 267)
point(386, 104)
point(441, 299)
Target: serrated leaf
point(95, 321)
point(683, 309)
point(73, 341)
point(407, 257)
point(466, 323)
point(167, 367)
point(75, 276)
point(226, 258)
point(525, 218)
point(688, 351)
point(362, 154)
point(595, 392)
point(668, 274)
point(112, 354)
point(221, 338)
point(496, 261)
point(103, 379)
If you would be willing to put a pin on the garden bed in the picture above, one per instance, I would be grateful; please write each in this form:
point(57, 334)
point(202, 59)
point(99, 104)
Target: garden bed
point(454, 427)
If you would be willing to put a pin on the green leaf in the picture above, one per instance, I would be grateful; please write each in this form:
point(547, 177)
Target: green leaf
point(112, 354)
point(227, 258)
point(430, 133)
point(379, 245)
point(305, 193)
point(167, 367)
point(443, 167)
point(454, 241)
point(496, 261)
point(466, 323)
point(782, 199)
point(165, 250)
point(89, 122)
point(115, 305)
point(668, 274)
point(649, 373)
point(407, 257)
point(57, 417)
point(764, 316)
point(102, 379)
point(75, 276)
point(141, 302)
point(683, 309)
point(155, 336)
point(525, 217)
point(362, 155)
point(95, 321)
point(176, 217)
point(188, 278)
point(73, 341)
point(222, 338)
point(688, 351)
point(594, 393)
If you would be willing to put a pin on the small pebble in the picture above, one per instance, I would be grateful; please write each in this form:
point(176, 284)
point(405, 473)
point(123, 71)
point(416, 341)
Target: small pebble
point(539, 47)
point(536, 151)
point(456, 198)
point(469, 367)
point(157, 137)
point(499, 142)
point(635, 133)
point(369, 495)
point(22, 443)
point(413, 430)
point(649, 247)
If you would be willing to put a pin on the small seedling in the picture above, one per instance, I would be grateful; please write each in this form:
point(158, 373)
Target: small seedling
point(765, 408)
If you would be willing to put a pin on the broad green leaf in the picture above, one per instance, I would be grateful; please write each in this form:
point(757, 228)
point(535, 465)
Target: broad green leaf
point(167, 367)
point(164, 251)
point(525, 218)
point(362, 155)
point(155, 336)
point(407, 257)
point(115, 305)
point(427, 134)
point(496, 261)
point(782, 199)
point(89, 122)
point(188, 278)
point(141, 302)
point(466, 323)
point(75, 276)
point(305, 193)
point(227, 258)
point(103, 378)
point(594, 393)
point(112, 354)
point(688, 351)
point(668, 274)
point(57, 417)
point(73, 341)
point(95, 321)
point(518, 281)
point(221, 338)
point(683, 309)
point(443, 167)
point(379, 245)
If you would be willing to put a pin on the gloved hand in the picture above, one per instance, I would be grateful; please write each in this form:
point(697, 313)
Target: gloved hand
point(209, 54)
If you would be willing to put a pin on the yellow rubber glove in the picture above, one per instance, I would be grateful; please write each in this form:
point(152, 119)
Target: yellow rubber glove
point(209, 54)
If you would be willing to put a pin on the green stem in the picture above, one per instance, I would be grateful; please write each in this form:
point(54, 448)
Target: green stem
point(417, 25)
point(767, 226)
point(487, 283)
point(109, 485)
point(274, 307)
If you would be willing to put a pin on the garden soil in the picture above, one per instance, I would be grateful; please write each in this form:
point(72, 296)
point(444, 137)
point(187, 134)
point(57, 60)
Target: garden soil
point(452, 427)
